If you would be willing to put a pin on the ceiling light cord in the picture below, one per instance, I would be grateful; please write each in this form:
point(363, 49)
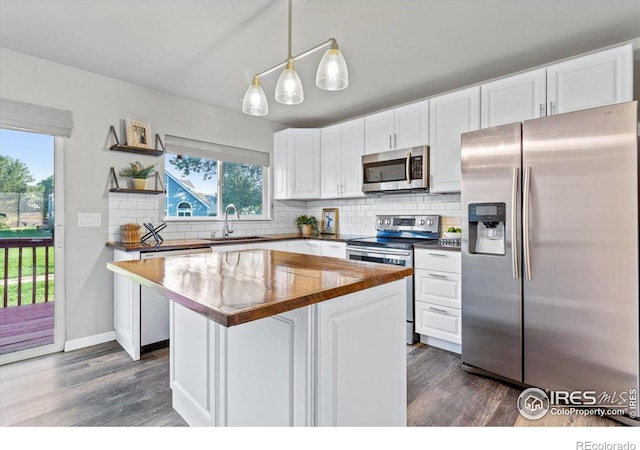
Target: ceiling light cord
point(332, 75)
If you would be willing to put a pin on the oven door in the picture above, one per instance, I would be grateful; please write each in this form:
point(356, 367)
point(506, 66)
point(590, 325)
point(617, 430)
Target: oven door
point(396, 170)
point(394, 257)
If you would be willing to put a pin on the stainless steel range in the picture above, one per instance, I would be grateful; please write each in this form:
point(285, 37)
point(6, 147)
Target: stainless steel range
point(393, 244)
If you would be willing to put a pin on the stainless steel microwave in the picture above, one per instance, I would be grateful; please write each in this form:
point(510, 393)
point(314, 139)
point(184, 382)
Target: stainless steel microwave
point(397, 170)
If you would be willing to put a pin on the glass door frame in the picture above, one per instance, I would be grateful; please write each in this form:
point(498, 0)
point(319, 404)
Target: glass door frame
point(59, 332)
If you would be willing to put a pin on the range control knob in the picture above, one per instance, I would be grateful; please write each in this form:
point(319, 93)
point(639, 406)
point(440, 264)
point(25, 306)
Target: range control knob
point(388, 221)
point(430, 222)
point(422, 222)
point(381, 222)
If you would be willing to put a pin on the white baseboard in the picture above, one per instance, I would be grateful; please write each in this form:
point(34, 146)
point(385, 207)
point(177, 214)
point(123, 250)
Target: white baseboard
point(88, 341)
point(440, 343)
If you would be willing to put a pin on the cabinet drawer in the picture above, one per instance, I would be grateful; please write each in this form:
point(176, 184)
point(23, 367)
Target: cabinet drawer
point(439, 322)
point(439, 260)
point(440, 288)
point(334, 249)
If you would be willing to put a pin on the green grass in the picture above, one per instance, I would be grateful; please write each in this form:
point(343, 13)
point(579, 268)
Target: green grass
point(27, 261)
point(23, 233)
point(27, 289)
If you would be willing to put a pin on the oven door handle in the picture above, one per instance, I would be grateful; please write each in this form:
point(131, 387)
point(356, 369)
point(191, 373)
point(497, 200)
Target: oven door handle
point(363, 251)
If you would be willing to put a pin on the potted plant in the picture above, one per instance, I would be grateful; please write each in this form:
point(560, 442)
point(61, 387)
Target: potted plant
point(307, 224)
point(138, 174)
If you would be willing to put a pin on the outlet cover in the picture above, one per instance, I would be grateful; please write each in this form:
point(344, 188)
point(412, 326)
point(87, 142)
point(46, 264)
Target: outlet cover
point(89, 219)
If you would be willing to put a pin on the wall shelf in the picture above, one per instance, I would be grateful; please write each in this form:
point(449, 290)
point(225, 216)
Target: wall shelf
point(135, 191)
point(116, 186)
point(118, 147)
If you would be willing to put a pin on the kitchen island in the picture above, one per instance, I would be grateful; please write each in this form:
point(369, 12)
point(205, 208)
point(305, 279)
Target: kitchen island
point(270, 338)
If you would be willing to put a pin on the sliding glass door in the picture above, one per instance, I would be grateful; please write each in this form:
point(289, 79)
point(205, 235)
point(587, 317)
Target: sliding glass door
point(28, 255)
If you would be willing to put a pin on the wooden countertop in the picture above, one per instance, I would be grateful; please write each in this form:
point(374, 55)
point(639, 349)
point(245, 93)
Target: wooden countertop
point(237, 287)
point(184, 244)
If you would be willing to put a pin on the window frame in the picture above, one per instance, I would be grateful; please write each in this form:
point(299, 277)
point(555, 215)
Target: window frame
point(266, 195)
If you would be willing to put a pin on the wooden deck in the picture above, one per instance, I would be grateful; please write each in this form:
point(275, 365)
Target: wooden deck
point(26, 326)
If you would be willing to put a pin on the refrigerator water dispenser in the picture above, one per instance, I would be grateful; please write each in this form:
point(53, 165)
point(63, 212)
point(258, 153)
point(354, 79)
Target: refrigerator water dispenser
point(486, 228)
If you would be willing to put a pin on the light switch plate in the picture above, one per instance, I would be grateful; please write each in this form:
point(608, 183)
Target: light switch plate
point(89, 219)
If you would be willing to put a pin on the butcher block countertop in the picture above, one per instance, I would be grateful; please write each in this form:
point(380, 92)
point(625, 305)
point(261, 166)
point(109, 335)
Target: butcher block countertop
point(182, 244)
point(232, 288)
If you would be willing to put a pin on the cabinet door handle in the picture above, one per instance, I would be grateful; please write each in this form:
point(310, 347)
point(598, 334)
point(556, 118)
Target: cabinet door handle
point(437, 254)
point(433, 275)
point(395, 141)
point(438, 310)
point(390, 142)
point(542, 110)
point(552, 107)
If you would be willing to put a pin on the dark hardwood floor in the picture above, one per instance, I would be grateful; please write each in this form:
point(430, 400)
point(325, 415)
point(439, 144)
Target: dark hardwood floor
point(102, 386)
point(95, 386)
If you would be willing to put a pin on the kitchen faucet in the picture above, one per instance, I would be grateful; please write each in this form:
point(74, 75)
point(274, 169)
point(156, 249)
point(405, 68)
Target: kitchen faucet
point(227, 231)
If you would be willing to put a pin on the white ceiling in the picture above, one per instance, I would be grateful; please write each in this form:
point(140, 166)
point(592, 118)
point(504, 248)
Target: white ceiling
point(396, 50)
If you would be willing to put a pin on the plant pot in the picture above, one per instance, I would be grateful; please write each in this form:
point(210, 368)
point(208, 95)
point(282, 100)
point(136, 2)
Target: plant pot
point(139, 183)
point(307, 230)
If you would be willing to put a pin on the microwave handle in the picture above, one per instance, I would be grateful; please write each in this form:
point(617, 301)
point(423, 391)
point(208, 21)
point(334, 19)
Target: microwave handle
point(408, 167)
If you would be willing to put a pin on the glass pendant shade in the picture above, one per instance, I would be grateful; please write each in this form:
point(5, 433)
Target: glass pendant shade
point(254, 102)
point(289, 88)
point(332, 72)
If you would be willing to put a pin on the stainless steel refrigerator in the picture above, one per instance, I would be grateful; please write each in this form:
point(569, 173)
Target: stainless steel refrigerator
point(550, 294)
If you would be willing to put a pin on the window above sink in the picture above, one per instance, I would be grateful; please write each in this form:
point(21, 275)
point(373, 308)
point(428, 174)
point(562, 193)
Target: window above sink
point(202, 178)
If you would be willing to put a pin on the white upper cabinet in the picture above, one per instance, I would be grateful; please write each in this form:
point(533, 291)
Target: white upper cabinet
point(330, 158)
point(378, 132)
point(342, 147)
point(451, 115)
point(598, 79)
point(296, 164)
point(513, 99)
point(351, 159)
point(281, 172)
point(411, 125)
point(403, 127)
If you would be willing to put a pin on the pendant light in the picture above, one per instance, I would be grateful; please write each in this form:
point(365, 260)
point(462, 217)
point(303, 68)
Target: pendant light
point(289, 88)
point(332, 72)
point(254, 102)
point(332, 75)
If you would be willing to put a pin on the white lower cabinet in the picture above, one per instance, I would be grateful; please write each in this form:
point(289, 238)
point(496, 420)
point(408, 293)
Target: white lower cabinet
point(318, 365)
point(334, 249)
point(439, 322)
point(305, 246)
point(438, 299)
point(140, 314)
point(243, 365)
point(439, 288)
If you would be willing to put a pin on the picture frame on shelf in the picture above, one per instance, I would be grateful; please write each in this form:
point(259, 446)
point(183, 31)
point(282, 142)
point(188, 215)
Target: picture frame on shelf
point(329, 221)
point(138, 133)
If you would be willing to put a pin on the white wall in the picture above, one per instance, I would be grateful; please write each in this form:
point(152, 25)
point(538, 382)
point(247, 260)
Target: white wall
point(98, 102)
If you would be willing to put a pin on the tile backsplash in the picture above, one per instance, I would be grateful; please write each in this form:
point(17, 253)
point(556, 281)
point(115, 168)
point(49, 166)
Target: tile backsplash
point(356, 216)
point(139, 208)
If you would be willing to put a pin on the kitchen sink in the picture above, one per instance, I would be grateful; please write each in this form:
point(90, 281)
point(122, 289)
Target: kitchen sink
point(237, 239)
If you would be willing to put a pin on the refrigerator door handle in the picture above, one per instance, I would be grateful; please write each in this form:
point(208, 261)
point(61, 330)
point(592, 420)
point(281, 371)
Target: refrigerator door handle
point(515, 267)
point(525, 223)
